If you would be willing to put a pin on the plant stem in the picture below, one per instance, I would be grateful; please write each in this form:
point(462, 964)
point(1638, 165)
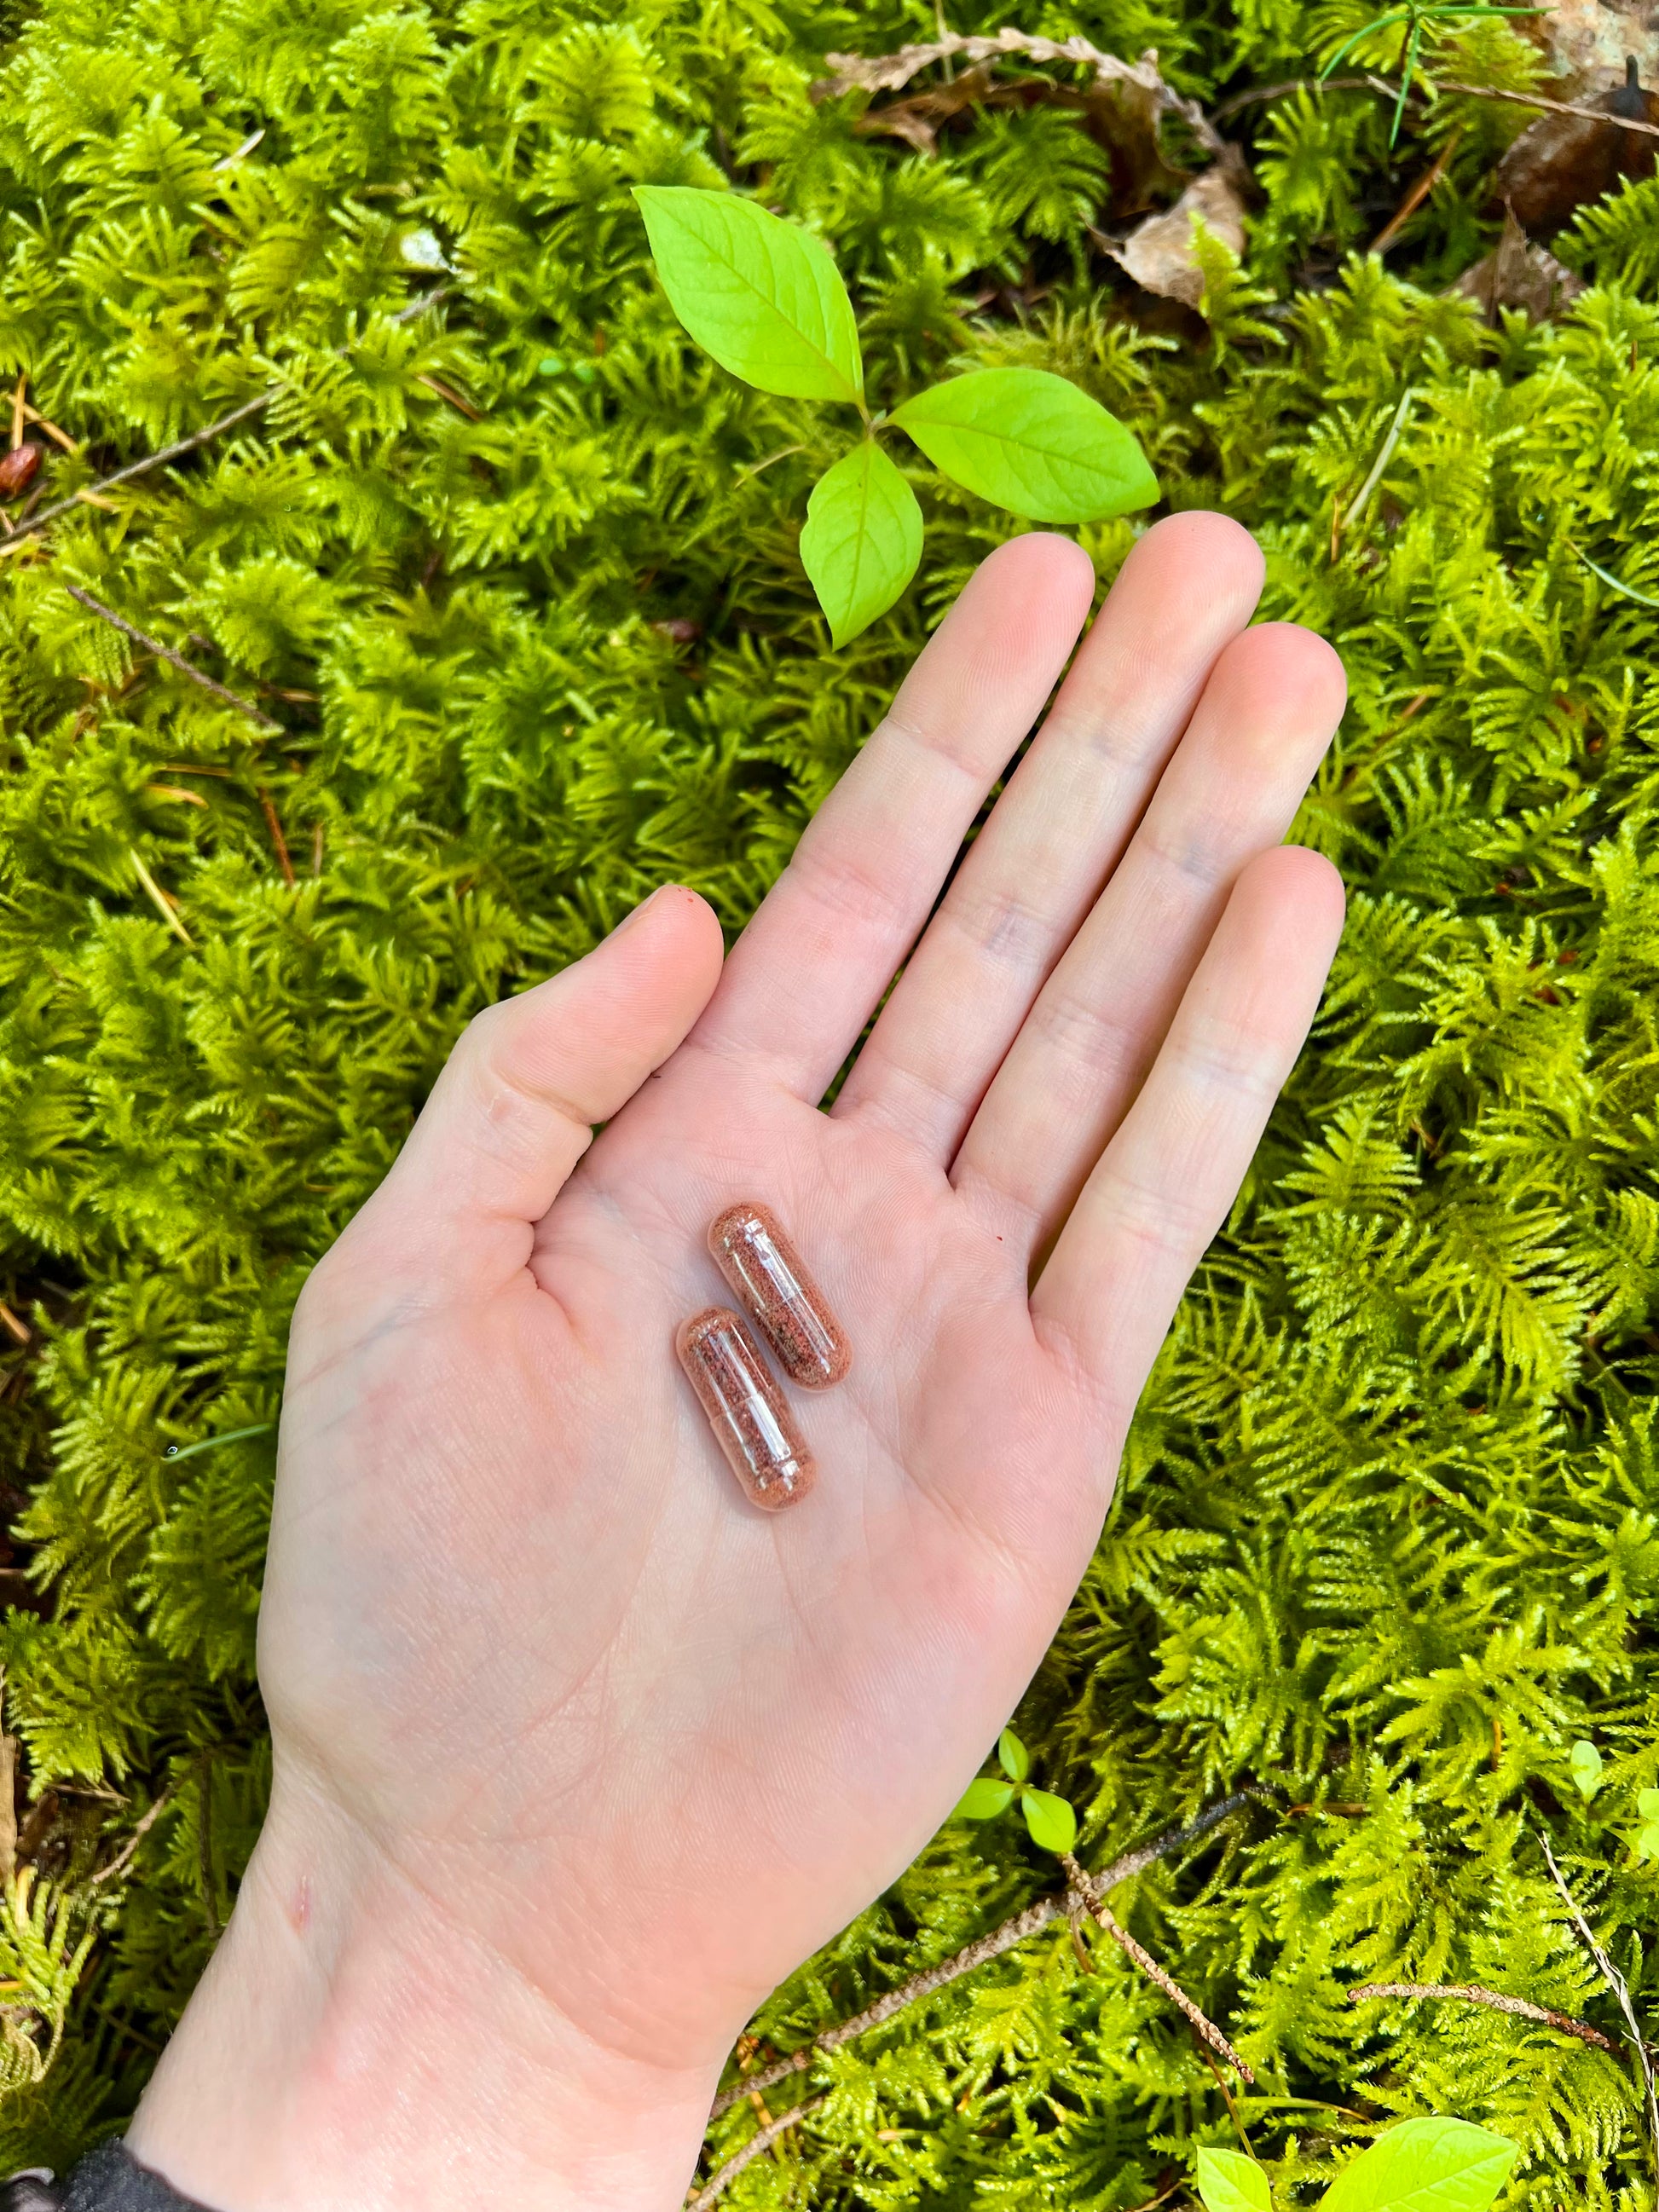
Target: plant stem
point(1495, 2000)
point(174, 659)
point(931, 1979)
point(751, 2150)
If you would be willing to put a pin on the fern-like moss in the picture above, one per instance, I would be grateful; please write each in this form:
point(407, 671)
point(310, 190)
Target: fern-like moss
point(516, 573)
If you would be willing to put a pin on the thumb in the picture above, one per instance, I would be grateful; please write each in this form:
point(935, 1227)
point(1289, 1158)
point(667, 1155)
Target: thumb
point(514, 1106)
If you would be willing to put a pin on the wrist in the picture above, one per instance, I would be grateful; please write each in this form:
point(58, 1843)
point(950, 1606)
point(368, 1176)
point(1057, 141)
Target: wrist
point(354, 2048)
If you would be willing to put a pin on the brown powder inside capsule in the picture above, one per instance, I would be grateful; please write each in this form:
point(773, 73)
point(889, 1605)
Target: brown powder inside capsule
point(747, 1411)
point(778, 1291)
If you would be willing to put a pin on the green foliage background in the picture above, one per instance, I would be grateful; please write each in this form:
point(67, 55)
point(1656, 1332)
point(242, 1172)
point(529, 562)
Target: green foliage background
point(1387, 1539)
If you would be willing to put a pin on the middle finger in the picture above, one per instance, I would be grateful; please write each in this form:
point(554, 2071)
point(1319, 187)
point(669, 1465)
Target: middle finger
point(1036, 868)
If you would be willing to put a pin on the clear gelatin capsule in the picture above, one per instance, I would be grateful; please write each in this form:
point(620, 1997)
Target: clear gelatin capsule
point(769, 1278)
point(754, 1427)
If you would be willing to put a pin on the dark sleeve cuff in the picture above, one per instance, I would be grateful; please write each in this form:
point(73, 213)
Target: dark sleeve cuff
point(109, 2179)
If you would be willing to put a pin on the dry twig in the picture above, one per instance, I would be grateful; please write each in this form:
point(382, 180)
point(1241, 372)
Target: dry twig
point(93, 494)
point(1472, 1993)
point(751, 2150)
point(59, 437)
point(1552, 106)
point(448, 392)
point(124, 1857)
point(149, 461)
point(274, 824)
point(890, 72)
point(174, 659)
point(1259, 93)
point(1621, 1988)
point(1415, 197)
point(1055, 1906)
point(1201, 2022)
point(1262, 93)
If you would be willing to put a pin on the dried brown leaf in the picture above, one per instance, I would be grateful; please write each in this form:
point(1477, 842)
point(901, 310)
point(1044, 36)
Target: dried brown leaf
point(875, 73)
point(1159, 255)
point(1562, 162)
point(1517, 274)
point(1124, 117)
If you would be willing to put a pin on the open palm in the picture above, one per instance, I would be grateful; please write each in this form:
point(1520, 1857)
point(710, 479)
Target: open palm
point(642, 1742)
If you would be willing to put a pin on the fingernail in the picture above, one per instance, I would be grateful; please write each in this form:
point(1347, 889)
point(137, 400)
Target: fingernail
point(644, 906)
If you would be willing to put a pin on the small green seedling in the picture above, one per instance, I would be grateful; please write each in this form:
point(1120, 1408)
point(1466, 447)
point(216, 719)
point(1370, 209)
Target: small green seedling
point(1416, 20)
point(1646, 1845)
point(1051, 1821)
point(1584, 1764)
point(1421, 2166)
point(765, 298)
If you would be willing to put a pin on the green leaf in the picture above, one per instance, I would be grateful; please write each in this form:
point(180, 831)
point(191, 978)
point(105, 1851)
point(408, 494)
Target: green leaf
point(984, 1799)
point(1051, 1821)
point(861, 541)
point(1647, 1804)
point(1030, 443)
point(1423, 2166)
point(1647, 1843)
point(1012, 1756)
point(762, 295)
point(1230, 2182)
point(1585, 1765)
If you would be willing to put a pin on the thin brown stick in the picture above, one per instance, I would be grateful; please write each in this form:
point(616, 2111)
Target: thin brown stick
point(1266, 92)
point(1055, 1906)
point(1414, 198)
point(924, 1984)
point(751, 2150)
point(276, 837)
point(1621, 1988)
point(174, 659)
point(16, 1329)
point(1202, 2024)
point(59, 437)
point(890, 72)
point(1262, 93)
point(1239, 2128)
point(17, 400)
point(205, 437)
point(124, 1857)
point(1552, 106)
point(1173, 1838)
point(448, 392)
point(1472, 1993)
point(149, 461)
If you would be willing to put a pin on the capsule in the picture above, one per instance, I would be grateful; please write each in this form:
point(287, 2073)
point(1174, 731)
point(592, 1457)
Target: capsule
point(752, 1425)
point(770, 1279)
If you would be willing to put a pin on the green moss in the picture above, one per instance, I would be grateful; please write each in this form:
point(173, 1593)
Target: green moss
point(1387, 1539)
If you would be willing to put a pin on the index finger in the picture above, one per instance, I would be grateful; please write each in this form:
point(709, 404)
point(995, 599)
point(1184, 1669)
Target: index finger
point(806, 973)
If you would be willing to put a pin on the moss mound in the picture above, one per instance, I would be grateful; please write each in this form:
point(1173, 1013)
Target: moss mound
point(505, 577)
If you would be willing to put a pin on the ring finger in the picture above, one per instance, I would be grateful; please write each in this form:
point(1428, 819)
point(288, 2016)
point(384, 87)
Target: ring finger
point(1267, 713)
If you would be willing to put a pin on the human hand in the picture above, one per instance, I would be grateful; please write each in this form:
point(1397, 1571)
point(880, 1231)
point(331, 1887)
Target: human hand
point(577, 1754)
